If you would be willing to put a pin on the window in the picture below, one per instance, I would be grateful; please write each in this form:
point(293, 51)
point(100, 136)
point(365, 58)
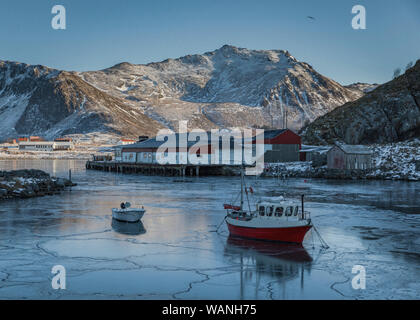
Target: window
point(269, 211)
point(262, 210)
point(279, 212)
point(296, 211)
point(289, 211)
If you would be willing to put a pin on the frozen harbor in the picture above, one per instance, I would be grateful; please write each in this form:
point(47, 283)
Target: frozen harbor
point(173, 253)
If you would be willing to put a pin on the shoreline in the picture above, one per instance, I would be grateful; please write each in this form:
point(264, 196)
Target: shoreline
point(46, 156)
point(273, 170)
point(305, 170)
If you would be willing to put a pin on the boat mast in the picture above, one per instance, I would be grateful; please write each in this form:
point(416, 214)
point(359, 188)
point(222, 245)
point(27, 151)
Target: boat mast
point(242, 174)
point(242, 187)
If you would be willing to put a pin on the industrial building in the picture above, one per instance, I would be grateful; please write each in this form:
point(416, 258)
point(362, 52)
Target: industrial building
point(342, 156)
point(146, 151)
point(279, 146)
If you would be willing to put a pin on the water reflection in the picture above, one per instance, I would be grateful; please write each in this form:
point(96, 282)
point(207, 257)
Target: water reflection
point(127, 228)
point(260, 260)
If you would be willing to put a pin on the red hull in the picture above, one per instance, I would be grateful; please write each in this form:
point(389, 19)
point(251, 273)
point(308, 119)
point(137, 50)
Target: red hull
point(294, 234)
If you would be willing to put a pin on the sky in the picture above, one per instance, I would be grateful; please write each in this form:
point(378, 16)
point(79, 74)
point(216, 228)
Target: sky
point(102, 33)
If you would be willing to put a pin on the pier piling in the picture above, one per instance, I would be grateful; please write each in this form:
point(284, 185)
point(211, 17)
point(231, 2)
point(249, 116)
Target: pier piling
point(180, 170)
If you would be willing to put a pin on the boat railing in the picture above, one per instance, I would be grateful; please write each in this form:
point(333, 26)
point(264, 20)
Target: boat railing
point(305, 215)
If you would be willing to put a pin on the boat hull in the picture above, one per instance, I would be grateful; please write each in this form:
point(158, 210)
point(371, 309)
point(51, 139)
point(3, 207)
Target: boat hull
point(127, 215)
point(286, 234)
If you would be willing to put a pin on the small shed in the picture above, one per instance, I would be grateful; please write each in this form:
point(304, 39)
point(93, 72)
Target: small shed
point(344, 156)
point(314, 153)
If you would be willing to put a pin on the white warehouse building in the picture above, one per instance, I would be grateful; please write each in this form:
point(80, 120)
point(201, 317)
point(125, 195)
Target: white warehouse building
point(46, 145)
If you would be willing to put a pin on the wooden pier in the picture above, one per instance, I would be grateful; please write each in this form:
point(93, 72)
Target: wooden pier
point(181, 170)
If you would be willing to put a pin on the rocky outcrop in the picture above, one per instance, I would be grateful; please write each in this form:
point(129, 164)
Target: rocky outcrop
point(30, 183)
point(389, 113)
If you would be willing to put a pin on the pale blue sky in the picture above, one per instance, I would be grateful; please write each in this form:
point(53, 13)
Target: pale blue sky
point(102, 33)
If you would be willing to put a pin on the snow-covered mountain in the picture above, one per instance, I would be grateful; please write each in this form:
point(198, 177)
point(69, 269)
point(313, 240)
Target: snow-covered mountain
point(36, 100)
point(228, 87)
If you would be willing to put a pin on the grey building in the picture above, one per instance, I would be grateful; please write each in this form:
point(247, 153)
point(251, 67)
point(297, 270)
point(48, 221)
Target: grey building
point(343, 156)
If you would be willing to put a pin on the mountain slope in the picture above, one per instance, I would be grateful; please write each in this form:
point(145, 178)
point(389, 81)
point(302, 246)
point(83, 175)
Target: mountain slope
point(228, 87)
point(362, 87)
point(387, 114)
point(36, 100)
point(256, 85)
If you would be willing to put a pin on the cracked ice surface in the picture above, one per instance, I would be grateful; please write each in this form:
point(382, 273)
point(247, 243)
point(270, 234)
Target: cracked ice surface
point(173, 254)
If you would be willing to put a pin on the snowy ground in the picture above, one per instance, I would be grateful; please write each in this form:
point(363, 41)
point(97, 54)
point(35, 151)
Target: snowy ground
point(397, 160)
point(296, 167)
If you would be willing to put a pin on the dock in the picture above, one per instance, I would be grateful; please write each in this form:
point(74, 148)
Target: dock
point(181, 170)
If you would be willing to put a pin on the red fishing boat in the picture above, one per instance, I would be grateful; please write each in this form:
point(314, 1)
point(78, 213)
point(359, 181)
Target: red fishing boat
point(279, 220)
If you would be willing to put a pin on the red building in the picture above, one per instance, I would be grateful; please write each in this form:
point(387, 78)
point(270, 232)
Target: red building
point(63, 139)
point(283, 136)
point(35, 138)
point(281, 145)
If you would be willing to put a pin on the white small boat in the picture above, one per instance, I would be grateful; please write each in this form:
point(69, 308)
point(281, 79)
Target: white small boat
point(127, 214)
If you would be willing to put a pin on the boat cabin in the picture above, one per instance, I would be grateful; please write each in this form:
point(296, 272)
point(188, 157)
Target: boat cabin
point(283, 210)
point(275, 210)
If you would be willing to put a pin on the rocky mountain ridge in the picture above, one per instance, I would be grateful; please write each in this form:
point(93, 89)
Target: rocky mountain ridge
point(390, 113)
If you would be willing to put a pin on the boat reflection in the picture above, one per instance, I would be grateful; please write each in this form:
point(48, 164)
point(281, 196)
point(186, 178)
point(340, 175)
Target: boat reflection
point(128, 228)
point(262, 262)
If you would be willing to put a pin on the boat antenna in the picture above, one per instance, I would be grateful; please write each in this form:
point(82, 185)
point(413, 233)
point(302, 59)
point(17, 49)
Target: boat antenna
point(242, 174)
point(247, 199)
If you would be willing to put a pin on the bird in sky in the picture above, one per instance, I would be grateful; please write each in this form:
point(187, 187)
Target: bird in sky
point(311, 18)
